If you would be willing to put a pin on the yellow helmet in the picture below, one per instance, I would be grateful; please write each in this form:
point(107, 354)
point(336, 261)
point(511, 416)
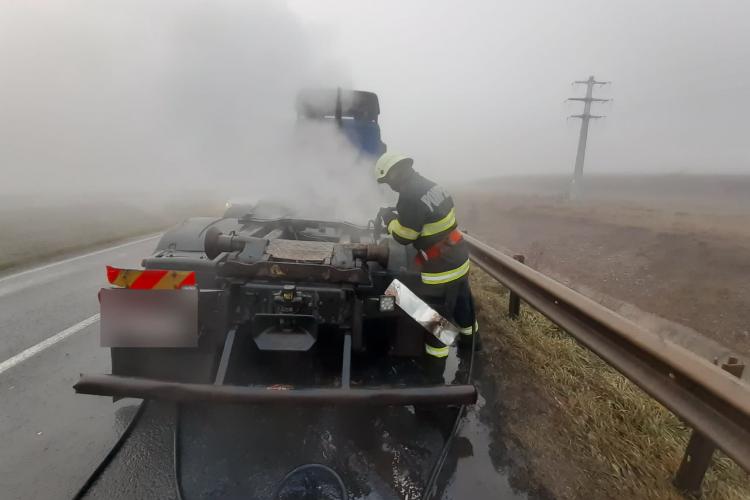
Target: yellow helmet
point(389, 160)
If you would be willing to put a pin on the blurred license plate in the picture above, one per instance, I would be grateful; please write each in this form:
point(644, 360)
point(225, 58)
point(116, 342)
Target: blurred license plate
point(149, 318)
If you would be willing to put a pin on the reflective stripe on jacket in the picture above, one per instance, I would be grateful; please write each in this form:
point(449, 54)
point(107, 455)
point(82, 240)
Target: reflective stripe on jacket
point(426, 216)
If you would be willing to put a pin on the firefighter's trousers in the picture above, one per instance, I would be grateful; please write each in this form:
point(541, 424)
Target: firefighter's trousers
point(459, 308)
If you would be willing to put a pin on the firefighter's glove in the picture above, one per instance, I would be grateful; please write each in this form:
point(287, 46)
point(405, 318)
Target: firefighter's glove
point(387, 215)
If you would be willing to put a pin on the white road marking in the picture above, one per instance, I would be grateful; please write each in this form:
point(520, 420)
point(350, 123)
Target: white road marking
point(78, 257)
point(36, 349)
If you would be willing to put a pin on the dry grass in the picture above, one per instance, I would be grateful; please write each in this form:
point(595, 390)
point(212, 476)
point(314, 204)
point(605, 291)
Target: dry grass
point(610, 439)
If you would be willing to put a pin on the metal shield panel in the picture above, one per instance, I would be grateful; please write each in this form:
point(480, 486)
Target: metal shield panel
point(445, 331)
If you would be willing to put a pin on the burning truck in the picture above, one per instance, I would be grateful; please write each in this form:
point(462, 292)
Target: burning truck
point(263, 309)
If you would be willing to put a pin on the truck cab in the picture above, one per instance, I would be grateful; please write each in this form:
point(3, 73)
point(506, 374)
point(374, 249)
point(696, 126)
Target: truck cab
point(355, 112)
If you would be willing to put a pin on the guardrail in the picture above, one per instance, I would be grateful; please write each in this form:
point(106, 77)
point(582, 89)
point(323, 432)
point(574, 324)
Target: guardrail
point(712, 400)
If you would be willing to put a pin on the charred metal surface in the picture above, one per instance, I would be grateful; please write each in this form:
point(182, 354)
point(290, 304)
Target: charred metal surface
point(316, 252)
point(422, 313)
point(374, 253)
point(287, 271)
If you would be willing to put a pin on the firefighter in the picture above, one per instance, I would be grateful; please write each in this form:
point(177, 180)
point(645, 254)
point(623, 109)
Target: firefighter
point(425, 217)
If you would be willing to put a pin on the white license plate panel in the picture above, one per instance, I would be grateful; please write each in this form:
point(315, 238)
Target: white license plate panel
point(148, 318)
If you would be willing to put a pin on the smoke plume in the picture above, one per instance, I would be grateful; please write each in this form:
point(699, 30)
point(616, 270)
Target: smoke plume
point(143, 100)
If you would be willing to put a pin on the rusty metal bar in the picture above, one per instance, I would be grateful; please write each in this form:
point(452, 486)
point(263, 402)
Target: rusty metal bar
point(133, 387)
point(704, 396)
point(514, 301)
point(346, 362)
point(700, 449)
point(695, 463)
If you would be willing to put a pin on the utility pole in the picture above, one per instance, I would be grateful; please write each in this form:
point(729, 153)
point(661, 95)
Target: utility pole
point(586, 116)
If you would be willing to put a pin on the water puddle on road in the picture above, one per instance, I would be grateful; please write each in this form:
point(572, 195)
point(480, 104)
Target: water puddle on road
point(472, 468)
point(474, 474)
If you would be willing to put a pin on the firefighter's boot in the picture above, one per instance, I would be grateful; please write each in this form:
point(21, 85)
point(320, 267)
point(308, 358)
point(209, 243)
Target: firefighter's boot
point(433, 363)
point(468, 337)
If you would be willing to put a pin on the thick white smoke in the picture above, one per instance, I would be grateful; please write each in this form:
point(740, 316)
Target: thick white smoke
point(160, 99)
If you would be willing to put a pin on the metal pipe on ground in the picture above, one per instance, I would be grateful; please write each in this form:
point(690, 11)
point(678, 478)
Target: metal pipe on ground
point(117, 386)
point(706, 397)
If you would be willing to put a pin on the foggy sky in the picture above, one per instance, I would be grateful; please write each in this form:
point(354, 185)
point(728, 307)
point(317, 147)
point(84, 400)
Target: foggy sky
point(178, 93)
point(479, 86)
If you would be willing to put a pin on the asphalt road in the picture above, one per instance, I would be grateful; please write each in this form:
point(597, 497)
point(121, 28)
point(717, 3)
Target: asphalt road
point(51, 438)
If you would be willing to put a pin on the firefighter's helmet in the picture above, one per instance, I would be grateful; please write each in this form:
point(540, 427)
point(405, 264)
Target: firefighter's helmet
point(389, 160)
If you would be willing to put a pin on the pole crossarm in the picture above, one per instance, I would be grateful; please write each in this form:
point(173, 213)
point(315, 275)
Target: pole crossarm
point(587, 116)
point(588, 99)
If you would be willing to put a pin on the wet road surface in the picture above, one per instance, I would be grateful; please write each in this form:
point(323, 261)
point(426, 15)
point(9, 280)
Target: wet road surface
point(52, 439)
point(234, 452)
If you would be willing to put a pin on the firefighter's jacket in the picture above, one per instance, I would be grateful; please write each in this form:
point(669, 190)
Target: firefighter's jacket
point(426, 218)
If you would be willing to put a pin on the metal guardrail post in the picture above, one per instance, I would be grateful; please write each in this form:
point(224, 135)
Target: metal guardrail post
point(514, 301)
point(700, 449)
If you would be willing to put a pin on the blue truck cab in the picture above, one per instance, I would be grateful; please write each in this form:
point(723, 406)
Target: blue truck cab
point(355, 112)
